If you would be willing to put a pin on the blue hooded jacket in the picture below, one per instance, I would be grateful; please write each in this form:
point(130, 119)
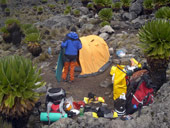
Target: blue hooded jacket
point(71, 44)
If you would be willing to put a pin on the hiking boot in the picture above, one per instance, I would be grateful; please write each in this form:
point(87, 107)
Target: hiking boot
point(70, 81)
point(64, 80)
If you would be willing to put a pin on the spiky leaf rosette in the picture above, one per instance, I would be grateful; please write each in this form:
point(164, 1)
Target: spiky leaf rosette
point(18, 79)
point(163, 12)
point(106, 14)
point(155, 39)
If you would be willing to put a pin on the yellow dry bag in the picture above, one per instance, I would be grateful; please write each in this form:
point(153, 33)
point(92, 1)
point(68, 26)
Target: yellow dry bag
point(119, 85)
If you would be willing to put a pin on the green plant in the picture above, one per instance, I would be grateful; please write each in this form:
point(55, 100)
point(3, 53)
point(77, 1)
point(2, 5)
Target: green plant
point(44, 1)
point(102, 24)
point(105, 3)
point(76, 12)
point(33, 37)
point(67, 10)
point(163, 12)
point(155, 39)
point(126, 3)
point(7, 10)
point(51, 6)
point(148, 4)
point(40, 9)
point(106, 14)
point(11, 21)
point(18, 79)
point(90, 5)
point(4, 30)
point(116, 5)
point(3, 2)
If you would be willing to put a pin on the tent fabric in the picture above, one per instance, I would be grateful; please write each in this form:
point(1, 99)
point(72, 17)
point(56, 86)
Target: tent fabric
point(93, 55)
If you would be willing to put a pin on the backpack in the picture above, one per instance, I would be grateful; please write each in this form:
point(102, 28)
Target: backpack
point(55, 98)
point(139, 93)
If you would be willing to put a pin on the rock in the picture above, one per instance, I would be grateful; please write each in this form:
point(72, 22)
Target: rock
point(129, 16)
point(125, 61)
point(88, 27)
point(58, 21)
point(138, 22)
point(105, 84)
point(136, 7)
point(111, 51)
point(105, 36)
point(62, 123)
point(83, 10)
point(116, 61)
point(42, 89)
point(107, 29)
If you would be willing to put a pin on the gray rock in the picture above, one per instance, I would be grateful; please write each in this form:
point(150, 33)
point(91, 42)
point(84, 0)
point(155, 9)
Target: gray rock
point(129, 16)
point(58, 21)
point(136, 7)
point(42, 89)
point(83, 10)
point(105, 36)
point(111, 51)
point(107, 29)
point(138, 22)
point(88, 27)
point(105, 84)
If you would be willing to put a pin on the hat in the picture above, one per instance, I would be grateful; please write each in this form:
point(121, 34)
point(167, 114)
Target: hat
point(73, 29)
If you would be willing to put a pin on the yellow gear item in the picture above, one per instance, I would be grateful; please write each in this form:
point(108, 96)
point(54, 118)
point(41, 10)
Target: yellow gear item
point(119, 85)
point(113, 69)
point(115, 115)
point(95, 115)
point(135, 63)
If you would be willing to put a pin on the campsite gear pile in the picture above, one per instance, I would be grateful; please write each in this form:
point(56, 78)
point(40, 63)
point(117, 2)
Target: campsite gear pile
point(132, 88)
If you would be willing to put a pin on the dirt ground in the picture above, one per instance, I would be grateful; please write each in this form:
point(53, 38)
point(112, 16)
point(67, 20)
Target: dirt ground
point(81, 86)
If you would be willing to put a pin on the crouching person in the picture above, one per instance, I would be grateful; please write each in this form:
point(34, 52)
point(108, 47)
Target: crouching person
point(72, 45)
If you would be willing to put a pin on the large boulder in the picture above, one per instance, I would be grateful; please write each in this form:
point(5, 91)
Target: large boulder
point(58, 21)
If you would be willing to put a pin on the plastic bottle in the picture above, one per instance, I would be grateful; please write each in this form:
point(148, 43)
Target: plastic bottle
point(49, 50)
point(81, 110)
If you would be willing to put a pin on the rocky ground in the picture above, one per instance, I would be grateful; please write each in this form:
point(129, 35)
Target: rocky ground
point(121, 34)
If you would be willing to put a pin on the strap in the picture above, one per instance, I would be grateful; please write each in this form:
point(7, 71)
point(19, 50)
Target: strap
point(61, 107)
point(141, 102)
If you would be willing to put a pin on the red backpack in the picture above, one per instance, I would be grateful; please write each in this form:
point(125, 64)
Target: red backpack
point(139, 93)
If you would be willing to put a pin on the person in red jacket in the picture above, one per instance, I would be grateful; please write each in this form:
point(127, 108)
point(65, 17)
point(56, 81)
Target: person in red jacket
point(72, 45)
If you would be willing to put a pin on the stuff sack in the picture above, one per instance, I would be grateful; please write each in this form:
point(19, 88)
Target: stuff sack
point(139, 94)
point(119, 85)
point(55, 98)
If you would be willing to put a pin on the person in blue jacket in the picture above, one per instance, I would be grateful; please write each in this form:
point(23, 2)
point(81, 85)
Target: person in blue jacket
point(72, 45)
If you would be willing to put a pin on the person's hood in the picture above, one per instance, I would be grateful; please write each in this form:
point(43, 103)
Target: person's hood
point(73, 35)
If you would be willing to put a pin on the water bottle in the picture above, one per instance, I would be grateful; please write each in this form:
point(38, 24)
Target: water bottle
point(49, 50)
point(81, 110)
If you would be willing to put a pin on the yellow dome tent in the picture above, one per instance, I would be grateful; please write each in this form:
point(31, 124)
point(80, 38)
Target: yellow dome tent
point(94, 55)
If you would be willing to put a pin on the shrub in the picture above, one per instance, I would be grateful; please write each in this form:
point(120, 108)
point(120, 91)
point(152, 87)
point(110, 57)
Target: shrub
point(90, 5)
point(7, 10)
point(102, 24)
point(106, 14)
point(32, 37)
point(4, 30)
point(11, 21)
point(67, 10)
point(155, 39)
point(126, 3)
point(76, 12)
point(116, 5)
point(163, 12)
point(148, 4)
point(51, 6)
point(18, 79)
point(3, 2)
point(103, 2)
point(40, 9)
